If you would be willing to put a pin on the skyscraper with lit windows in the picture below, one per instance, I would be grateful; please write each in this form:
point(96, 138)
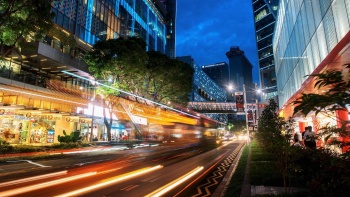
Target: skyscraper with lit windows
point(265, 12)
point(93, 20)
point(40, 76)
point(204, 88)
point(170, 19)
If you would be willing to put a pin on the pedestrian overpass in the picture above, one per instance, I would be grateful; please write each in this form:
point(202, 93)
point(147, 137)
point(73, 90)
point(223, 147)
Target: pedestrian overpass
point(221, 107)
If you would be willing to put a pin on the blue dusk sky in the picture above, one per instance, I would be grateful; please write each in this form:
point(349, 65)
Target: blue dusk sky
point(206, 29)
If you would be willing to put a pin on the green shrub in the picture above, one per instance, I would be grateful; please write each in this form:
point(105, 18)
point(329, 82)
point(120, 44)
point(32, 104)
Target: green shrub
point(324, 172)
point(71, 138)
point(5, 147)
point(24, 148)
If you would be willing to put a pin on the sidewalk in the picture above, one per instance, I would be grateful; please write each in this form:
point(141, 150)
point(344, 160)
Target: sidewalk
point(246, 187)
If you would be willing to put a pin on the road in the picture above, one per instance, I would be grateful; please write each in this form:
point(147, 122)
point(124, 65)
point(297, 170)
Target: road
point(155, 171)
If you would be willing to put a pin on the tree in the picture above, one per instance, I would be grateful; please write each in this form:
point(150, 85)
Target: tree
point(274, 134)
point(230, 126)
point(124, 61)
point(22, 20)
point(167, 79)
point(150, 75)
point(337, 97)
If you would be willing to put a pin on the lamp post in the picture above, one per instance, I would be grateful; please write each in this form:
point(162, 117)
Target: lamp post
point(92, 117)
point(245, 110)
point(246, 113)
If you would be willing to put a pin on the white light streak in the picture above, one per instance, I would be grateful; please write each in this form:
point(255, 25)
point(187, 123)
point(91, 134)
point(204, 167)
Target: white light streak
point(43, 185)
point(34, 178)
point(161, 191)
point(96, 82)
point(112, 181)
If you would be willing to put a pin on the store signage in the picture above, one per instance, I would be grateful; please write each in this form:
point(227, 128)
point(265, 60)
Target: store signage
point(85, 120)
point(72, 119)
point(20, 118)
point(51, 117)
point(7, 112)
point(250, 115)
point(239, 101)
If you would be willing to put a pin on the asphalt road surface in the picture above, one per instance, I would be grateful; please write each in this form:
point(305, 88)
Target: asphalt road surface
point(152, 171)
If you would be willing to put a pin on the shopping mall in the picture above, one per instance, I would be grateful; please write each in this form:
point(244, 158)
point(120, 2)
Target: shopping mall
point(46, 89)
point(310, 37)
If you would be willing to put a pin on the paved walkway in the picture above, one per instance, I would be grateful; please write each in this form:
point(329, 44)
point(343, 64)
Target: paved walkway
point(246, 188)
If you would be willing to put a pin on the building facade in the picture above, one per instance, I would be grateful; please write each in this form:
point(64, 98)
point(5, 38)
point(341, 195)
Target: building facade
point(265, 13)
point(219, 73)
point(93, 20)
point(39, 96)
point(171, 8)
point(204, 88)
point(310, 37)
point(240, 72)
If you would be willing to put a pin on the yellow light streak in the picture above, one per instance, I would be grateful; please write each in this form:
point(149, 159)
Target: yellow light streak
point(111, 181)
point(49, 97)
point(34, 178)
point(134, 95)
point(43, 185)
point(161, 191)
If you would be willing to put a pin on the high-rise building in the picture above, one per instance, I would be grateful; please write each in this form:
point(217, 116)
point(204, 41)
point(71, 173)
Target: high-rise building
point(170, 27)
point(99, 20)
point(218, 72)
point(39, 99)
point(265, 12)
point(204, 88)
point(240, 72)
point(310, 37)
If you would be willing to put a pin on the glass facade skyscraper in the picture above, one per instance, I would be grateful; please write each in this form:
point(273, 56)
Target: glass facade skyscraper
point(240, 72)
point(171, 27)
point(311, 37)
point(219, 72)
point(307, 34)
point(45, 77)
point(92, 20)
point(264, 18)
point(204, 88)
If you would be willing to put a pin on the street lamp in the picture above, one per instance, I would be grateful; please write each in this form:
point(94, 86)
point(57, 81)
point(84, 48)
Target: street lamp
point(230, 87)
point(246, 113)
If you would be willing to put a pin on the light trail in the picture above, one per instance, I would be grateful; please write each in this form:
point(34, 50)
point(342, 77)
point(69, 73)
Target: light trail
point(49, 97)
point(204, 173)
point(110, 181)
point(43, 185)
point(32, 178)
point(128, 93)
point(161, 191)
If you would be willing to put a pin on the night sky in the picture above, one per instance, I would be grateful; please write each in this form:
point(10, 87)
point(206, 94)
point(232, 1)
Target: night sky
point(207, 29)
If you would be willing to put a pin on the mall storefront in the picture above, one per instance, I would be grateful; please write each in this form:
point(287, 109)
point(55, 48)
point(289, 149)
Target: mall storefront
point(39, 116)
point(39, 127)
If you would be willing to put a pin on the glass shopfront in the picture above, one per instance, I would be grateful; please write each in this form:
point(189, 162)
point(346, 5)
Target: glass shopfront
point(40, 127)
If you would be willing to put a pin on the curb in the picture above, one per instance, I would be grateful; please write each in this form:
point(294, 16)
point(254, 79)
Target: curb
point(221, 189)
